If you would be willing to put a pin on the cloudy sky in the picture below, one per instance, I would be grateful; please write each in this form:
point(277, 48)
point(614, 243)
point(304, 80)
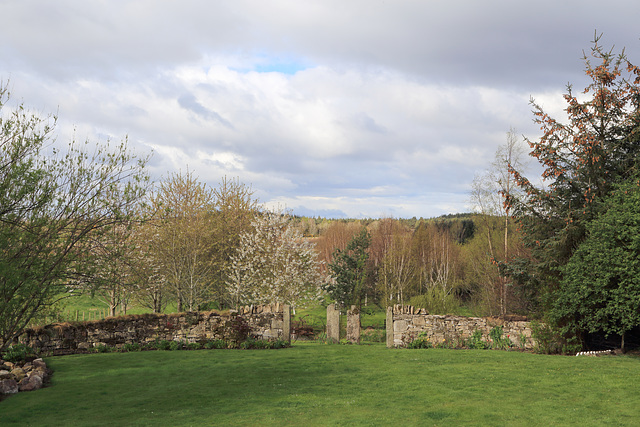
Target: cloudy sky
point(358, 108)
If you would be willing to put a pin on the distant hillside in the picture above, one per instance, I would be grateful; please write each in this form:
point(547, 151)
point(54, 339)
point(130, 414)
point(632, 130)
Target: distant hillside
point(460, 225)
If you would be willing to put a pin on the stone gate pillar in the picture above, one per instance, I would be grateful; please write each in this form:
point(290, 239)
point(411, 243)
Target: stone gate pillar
point(333, 323)
point(353, 325)
point(286, 323)
point(389, 327)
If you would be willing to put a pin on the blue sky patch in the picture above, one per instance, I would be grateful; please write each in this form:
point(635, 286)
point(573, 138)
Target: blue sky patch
point(286, 67)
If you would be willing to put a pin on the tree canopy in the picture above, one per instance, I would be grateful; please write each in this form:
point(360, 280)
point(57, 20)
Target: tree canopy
point(348, 270)
point(600, 289)
point(583, 160)
point(274, 263)
point(53, 208)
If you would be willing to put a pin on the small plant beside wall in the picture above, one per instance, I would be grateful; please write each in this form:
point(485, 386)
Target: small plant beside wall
point(168, 345)
point(238, 329)
point(498, 340)
point(421, 342)
point(18, 353)
point(475, 341)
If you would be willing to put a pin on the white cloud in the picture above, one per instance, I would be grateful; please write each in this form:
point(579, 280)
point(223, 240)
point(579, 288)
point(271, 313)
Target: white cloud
point(363, 107)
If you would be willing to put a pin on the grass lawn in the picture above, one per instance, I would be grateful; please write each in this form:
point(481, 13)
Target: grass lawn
point(314, 384)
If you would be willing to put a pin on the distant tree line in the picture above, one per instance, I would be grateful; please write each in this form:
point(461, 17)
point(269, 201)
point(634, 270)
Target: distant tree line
point(443, 264)
point(566, 251)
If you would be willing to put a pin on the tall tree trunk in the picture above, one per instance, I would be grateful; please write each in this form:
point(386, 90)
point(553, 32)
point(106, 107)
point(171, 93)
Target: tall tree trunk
point(506, 258)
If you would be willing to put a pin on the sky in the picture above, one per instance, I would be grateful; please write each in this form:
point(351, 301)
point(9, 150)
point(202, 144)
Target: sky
point(332, 108)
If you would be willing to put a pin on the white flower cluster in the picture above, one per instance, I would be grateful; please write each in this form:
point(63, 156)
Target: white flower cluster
point(274, 263)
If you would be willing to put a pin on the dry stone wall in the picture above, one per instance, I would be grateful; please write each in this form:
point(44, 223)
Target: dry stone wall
point(405, 323)
point(268, 322)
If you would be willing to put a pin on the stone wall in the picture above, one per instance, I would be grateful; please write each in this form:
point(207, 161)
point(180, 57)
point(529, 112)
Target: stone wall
point(405, 323)
point(268, 322)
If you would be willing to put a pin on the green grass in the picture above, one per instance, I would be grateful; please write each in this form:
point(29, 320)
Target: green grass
point(312, 384)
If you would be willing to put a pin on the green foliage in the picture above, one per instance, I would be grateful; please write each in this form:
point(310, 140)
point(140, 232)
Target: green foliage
point(53, 210)
point(103, 348)
point(475, 341)
point(422, 341)
point(348, 270)
point(127, 347)
point(160, 345)
point(176, 345)
point(446, 344)
point(193, 346)
point(17, 352)
point(548, 341)
point(583, 160)
point(600, 289)
point(322, 338)
point(437, 301)
point(498, 340)
point(249, 343)
point(215, 344)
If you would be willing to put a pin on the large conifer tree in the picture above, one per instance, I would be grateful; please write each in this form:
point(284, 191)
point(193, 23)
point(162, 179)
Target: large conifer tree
point(582, 159)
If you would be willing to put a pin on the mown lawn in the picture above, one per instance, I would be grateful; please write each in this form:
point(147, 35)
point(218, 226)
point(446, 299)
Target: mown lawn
point(313, 384)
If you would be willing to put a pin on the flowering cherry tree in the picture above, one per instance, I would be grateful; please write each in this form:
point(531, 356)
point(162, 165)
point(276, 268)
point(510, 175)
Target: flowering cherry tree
point(274, 263)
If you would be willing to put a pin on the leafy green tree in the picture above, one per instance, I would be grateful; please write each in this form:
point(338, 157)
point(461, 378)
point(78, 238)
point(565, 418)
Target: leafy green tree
point(235, 210)
point(600, 289)
point(183, 242)
point(348, 270)
point(52, 209)
point(582, 160)
point(112, 281)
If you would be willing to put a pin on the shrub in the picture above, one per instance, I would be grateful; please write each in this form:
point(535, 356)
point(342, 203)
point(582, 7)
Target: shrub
point(249, 343)
point(547, 340)
point(499, 341)
point(176, 345)
point(18, 352)
point(279, 344)
point(193, 346)
point(102, 348)
point(161, 345)
point(436, 301)
point(322, 338)
point(215, 344)
point(238, 329)
point(131, 347)
point(476, 341)
point(421, 342)
point(446, 343)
